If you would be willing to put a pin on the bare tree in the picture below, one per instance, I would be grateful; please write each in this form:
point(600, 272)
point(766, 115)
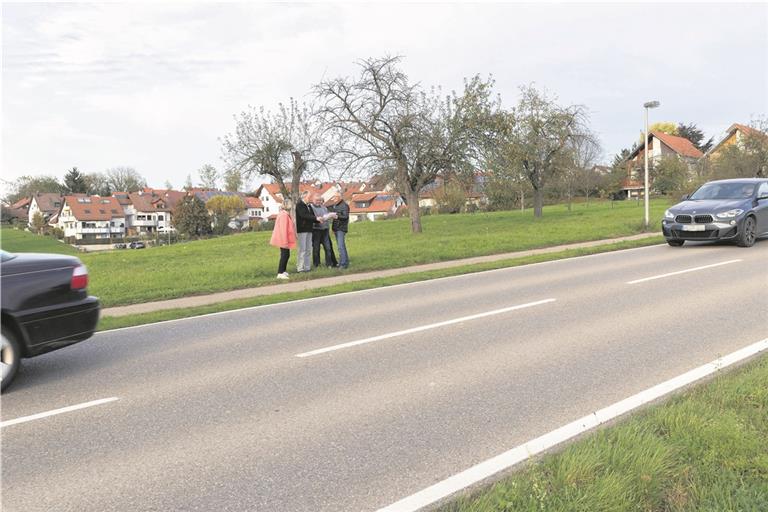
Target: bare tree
point(536, 137)
point(208, 176)
point(396, 129)
point(124, 179)
point(283, 145)
point(585, 153)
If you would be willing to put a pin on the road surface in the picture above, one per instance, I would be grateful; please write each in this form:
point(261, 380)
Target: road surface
point(354, 401)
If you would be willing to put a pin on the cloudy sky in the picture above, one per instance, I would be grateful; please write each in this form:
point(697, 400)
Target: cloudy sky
point(154, 86)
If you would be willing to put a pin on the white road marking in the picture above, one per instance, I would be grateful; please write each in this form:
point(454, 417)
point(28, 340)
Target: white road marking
point(422, 328)
point(682, 272)
point(520, 453)
point(54, 412)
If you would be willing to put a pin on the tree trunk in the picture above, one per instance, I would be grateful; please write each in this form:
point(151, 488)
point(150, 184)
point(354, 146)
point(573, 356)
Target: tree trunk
point(412, 198)
point(538, 202)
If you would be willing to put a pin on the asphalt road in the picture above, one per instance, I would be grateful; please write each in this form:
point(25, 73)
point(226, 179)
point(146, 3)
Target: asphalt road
point(221, 413)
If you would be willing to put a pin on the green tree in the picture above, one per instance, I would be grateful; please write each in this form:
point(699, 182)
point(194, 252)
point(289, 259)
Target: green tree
point(38, 223)
point(224, 209)
point(190, 217)
point(746, 159)
point(451, 197)
point(74, 182)
point(27, 186)
point(664, 127)
point(695, 135)
point(535, 138)
point(670, 175)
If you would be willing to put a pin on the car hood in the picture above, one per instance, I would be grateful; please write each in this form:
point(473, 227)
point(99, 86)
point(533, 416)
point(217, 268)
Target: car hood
point(710, 206)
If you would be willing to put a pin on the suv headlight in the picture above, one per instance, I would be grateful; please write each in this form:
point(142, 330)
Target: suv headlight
point(669, 215)
point(729, 214)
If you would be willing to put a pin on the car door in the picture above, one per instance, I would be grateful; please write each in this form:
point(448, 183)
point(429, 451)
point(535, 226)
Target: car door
point(761, 210)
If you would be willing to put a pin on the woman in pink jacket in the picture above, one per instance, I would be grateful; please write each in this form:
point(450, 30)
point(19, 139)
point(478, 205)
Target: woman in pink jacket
point(284, 237)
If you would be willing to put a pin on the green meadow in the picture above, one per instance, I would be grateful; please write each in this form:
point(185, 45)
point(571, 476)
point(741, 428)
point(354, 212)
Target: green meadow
point(246, 260)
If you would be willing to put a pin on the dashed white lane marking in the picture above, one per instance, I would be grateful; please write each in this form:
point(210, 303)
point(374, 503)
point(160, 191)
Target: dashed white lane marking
point(422, 328)
point(682, 271)
point(520, 453)
point(54, 412)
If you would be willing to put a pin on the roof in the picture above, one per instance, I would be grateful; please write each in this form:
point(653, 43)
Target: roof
point(94, 207)
point(679, 145)
point(22, 203)
point(381, 203)
point(253, 202)
point(365, 196)
point(48, 202)
point(746, 130)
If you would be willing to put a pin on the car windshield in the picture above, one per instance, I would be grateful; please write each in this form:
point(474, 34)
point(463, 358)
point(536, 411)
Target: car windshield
point(6, 256)
point(724, 191)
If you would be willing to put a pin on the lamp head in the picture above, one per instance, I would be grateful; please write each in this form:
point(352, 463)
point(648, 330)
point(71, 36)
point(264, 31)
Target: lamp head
point(651, 104)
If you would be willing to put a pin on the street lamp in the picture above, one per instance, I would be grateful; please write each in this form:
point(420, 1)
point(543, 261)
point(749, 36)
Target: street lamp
point(648, 105)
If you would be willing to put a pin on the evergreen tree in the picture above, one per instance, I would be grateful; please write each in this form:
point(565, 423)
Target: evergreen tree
point(693, 134)
point(191, 217)
point(74, 182)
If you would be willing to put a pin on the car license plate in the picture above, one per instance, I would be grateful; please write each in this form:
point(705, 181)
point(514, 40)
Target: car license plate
point(693, 227)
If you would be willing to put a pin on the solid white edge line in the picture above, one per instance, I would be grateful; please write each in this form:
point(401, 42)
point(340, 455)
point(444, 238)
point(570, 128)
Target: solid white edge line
point(682, 271)
point(54, 412)
point(520, 453)
point(421, 328)
point(370, 290)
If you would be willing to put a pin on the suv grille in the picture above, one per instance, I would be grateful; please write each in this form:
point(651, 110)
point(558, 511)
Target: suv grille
point(703, 219)
point(683, 219)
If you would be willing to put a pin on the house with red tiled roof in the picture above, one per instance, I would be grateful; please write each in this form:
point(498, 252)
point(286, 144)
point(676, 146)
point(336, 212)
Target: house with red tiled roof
point(254, 209)
point(660, 145)
point(148, 211)
point(374, 205)
point(91, 219)
point(47, 203)
point(736, 134)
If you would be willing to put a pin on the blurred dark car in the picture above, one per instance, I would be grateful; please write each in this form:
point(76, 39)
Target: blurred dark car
point(45, 307)
point(735, 210)
point(120, 246)
point(136, 245)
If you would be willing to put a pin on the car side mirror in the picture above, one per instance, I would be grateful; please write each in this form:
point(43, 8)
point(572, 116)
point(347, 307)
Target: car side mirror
point(685, 197)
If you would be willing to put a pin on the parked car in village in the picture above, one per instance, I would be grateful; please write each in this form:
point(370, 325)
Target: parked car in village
point(45, 307)
point(120, 246)
point(735, 210)
point(136, 245)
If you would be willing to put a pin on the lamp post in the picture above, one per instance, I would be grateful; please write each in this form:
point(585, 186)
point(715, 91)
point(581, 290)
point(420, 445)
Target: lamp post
point(648, 105)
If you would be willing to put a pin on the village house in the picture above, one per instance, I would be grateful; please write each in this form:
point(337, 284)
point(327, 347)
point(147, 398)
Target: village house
point(47, 204)
point(374, 205)
point(91, 219)
point(736, 134)
point(148, 211)
point(660, 145)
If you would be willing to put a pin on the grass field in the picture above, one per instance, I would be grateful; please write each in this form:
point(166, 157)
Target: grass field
point(15, 240)
point(704, 450)
point(247, 260)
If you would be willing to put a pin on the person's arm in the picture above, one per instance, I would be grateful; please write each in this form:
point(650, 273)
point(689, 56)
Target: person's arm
point(342, 210)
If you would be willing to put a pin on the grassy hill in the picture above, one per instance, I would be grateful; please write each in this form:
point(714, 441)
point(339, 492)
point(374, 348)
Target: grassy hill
point(247, 260)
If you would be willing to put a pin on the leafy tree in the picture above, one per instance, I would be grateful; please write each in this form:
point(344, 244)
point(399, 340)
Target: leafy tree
point(409, 135)
point(223, 209)
point(125, 179)
point(281, 145)
point(74, 182)
point(38, 223)
point(535, 138)
point(191, 217)
point(233, 180)
point(451, 197)
point(670, 175)
point(664, 127)
point(27, 186)
point(748, 158)
point(97, 183)
point(505, 192)
point(208, 176)
point(695, 135)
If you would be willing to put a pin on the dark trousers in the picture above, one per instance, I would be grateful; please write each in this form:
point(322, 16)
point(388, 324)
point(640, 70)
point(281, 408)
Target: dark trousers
point(284, 255)
point(321, 237)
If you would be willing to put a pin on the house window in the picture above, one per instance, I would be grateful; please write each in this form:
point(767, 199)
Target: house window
point(160, 217)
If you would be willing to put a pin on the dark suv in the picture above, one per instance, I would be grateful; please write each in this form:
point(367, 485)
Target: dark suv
point(734, 210)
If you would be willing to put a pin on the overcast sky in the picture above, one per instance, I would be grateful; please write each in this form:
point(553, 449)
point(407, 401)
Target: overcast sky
point(154, 86)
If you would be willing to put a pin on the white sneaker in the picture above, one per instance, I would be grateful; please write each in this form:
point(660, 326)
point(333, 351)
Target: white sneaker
point(284, 275)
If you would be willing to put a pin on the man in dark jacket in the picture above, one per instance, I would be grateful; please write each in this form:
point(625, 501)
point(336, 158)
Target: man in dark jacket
point(305, 217)
point(320, 233)
point(340, 227)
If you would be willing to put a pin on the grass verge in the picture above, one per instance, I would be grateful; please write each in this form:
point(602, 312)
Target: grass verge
point(108, 322)
point(703, 450)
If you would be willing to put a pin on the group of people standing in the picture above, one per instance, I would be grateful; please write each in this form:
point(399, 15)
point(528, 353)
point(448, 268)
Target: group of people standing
point(314, 223)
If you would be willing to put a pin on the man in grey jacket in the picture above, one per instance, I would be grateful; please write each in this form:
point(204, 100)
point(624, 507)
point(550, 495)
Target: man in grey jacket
point(340, 227)
point(320, 234)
